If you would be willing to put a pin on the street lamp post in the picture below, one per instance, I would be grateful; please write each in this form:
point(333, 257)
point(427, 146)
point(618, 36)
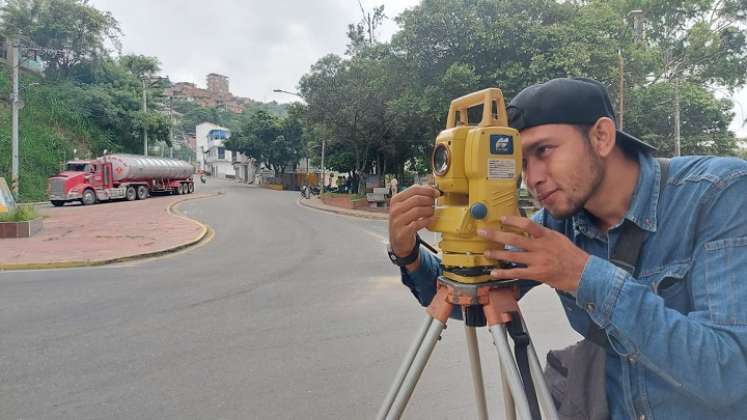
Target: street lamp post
point(324, 142)
point(288, 92)
point(321, 189)
point(150, 80)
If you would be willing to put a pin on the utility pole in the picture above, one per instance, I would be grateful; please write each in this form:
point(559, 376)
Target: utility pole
point(171, 126)
point(145, 114)
point(16, 106)
point(621, 122)
point(637, 16)
point(676, 115)
point(323, 145)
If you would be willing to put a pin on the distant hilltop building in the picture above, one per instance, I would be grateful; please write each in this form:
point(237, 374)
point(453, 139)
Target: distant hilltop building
point(217, 94)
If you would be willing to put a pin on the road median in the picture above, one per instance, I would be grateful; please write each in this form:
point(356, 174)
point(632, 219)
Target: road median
point(109, 233)
point(317, 204)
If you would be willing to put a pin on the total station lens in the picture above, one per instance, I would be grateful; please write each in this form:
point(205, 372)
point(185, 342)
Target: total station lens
point(441, 159)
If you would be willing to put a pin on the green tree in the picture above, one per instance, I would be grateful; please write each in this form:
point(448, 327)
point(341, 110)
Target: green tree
point(272, 141)
point(73, 31)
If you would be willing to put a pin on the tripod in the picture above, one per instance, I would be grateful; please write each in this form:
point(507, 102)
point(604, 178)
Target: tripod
point(498, 300)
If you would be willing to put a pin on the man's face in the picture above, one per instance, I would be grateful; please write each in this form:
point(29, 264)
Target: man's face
point(561, 169)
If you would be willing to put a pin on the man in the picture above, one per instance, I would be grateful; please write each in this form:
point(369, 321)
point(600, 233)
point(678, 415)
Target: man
point(676, 326)
point(393, 186)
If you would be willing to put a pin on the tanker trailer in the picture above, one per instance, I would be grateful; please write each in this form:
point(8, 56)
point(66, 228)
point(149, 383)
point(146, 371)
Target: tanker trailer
point(120, 176)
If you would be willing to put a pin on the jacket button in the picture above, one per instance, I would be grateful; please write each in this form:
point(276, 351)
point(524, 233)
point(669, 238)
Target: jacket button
point(589, 307)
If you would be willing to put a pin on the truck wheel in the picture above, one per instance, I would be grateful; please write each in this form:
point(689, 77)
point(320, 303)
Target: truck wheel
point(89, 197)
point(180, 189)
point(58, 203)
point(142, 192)
point(131, 193)
point(185, 189)
point(191, 188)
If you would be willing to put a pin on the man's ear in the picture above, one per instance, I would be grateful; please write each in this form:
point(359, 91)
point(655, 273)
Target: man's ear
point(603, 135)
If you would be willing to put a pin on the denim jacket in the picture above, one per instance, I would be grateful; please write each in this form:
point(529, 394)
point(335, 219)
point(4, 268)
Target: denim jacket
point(678, 328)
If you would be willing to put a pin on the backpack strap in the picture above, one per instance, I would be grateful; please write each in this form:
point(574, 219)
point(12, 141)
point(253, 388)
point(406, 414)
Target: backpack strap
point(627, 251)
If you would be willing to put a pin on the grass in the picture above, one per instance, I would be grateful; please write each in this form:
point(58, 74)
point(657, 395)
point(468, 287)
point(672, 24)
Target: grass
point(23, 213)
point(350, 196)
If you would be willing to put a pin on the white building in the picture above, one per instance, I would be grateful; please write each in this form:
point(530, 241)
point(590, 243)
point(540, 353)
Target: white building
point(245, 168)
point(211, 151)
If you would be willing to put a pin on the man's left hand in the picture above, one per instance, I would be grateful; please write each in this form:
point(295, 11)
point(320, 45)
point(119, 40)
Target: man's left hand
point(549, 256)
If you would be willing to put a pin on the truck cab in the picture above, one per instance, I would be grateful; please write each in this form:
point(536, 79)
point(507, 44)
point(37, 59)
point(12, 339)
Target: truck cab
point(81, 180)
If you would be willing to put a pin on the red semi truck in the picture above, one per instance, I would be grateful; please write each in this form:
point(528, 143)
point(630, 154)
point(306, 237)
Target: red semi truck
point(120, 176)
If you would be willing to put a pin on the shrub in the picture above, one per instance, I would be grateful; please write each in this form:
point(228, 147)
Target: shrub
point(23, 213)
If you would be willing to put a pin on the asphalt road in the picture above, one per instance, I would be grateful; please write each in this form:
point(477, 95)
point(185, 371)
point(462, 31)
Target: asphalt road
point(288, 313)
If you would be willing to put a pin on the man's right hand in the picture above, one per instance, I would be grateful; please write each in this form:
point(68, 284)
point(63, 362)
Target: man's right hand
point(410, 211)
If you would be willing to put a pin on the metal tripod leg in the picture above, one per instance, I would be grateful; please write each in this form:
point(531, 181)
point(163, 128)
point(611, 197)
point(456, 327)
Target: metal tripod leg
point(416, 369)
point(543, 392)
point(404, 368)
point(412, 367)
point(474, 362)
point(508, 400)
point(510, 371)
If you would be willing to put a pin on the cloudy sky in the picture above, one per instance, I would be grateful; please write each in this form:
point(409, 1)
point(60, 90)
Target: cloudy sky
point(259, 45)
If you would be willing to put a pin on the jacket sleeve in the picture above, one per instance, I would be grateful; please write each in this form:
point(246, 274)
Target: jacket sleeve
point(701, 353)
point(422, 282)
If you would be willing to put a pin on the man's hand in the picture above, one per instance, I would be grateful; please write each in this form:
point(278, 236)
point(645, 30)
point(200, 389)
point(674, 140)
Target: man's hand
point(410, 211)
point(549, 256)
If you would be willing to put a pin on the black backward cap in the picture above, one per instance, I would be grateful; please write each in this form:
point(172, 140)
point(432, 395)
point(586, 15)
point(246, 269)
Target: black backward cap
point(566, 101)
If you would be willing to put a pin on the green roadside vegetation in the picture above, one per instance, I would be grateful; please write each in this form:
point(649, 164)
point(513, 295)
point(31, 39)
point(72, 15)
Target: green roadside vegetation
point(22, 213)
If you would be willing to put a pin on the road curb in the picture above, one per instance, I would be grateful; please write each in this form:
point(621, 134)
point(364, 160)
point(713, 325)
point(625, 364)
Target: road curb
point(205, 235)
point(345, 212)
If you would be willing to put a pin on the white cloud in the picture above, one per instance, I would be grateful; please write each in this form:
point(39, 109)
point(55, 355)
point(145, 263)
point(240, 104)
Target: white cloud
point(259, 45)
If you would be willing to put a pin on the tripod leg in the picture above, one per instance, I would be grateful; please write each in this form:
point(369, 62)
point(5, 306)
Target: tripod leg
point(418, 365)
point(543, 392)
point(508, 400)
point(404, 368)
point(511, 372)
point(474, 362)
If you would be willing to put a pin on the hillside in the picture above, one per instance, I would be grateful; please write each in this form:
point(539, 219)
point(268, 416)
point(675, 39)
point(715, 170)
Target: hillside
point(49, 131)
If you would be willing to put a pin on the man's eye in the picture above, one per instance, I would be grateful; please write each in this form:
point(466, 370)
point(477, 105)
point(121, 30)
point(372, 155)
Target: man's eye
point(543, 150)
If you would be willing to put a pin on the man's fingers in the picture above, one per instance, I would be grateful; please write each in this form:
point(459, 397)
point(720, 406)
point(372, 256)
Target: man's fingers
point(424, 190)
point(511, 273)
point(506, 238)
point(415, 226)
point(516, 257)
point(412, 202)
point(415, 214)
point(522, 223)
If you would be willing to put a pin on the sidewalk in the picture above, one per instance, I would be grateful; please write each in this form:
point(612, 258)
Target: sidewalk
point(316, 203)
point(75, 236)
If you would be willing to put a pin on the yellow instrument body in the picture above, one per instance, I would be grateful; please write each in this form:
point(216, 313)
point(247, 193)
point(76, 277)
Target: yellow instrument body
point(478, 169)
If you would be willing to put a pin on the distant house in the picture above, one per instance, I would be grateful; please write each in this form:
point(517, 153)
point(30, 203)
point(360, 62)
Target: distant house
point(217, 95)
point(29, 60)
point(212, 155)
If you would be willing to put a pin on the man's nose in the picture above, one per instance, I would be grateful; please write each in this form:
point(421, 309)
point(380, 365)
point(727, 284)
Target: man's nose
point(534, 173)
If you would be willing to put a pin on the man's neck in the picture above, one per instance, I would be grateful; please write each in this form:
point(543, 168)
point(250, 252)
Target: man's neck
point(612, 200)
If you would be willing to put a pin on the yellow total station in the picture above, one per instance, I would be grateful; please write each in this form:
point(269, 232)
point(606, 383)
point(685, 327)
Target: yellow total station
point(477, 168)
